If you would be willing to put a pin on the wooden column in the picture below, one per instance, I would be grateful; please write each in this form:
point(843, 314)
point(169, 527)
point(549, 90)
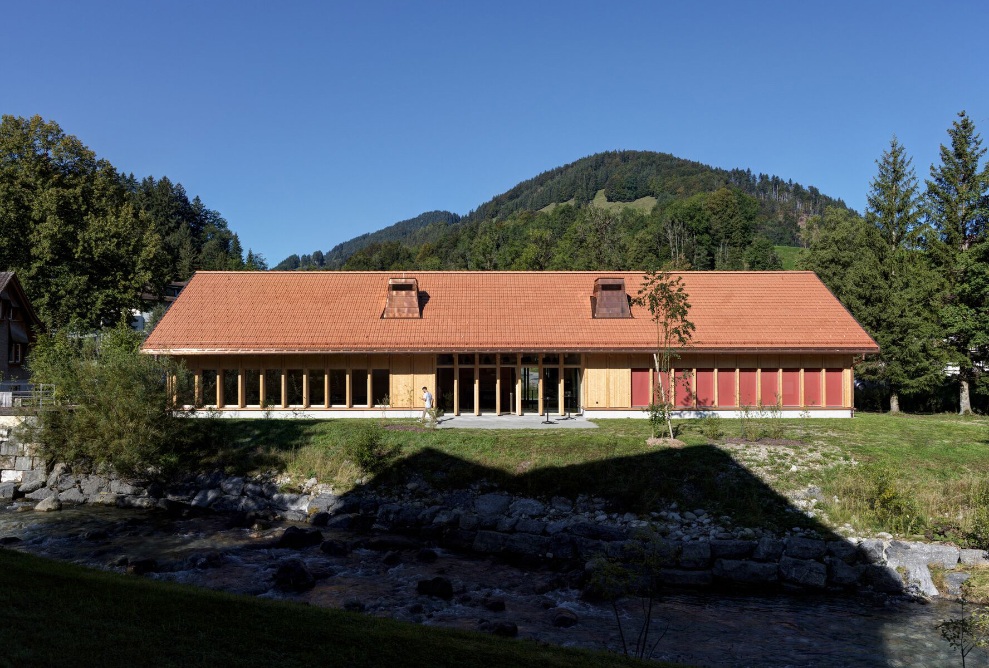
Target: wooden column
point(456, 384)
point(477, 385)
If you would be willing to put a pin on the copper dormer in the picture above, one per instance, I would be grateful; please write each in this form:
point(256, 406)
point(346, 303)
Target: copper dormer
point(610, 299)
point(403, 299)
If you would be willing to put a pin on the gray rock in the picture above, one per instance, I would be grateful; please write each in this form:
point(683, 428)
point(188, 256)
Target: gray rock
point(563, 618)
point(73, 495)
point(30, 486)
point(528, 507)
point(204, 499)
point(953, 581)
point(297, 538)
point(105, 499)
point(557, 526)
point(527, 544)
point(324, 503)
point(844, 550)
point(250, 504)
point(803, 572)
point(678, 578)
point(39, 494)
point(732, 549)
point(768, 549)
point(506, 524)
point(883, 579)
point(7, 491)
point(745, 572)
point(438, 587)
point(35, 475)
point(900, 552)
point(489, 542)
point(56, 473)
point(344, 522)
point(226, 503)
point(973, 557)
point(233, 486)
point(293, 576)
point(488, 505)
point(596, 531)
point(126, 488)
point(139, 502)
point(530, 526)
point(799, 547)
point(872, 551)
point(841, 573)
point(469, 522)
point(49, 504)
point(695, 555)
point(91, 485)
point(290, 502)
point(561, 504)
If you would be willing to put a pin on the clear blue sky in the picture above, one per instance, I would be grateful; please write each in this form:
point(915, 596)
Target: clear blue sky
point(307, 123)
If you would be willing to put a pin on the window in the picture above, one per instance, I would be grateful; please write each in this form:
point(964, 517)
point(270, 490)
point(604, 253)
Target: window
point(252, 387)
point(317, 387)
point(209, 387)
point(16, 353)
point(338, 387)
point(272, 388)
point(444, 360)
point(293, 387)
point(230, 392)
point(465, 360)
point(358, 387)
point(380, 382)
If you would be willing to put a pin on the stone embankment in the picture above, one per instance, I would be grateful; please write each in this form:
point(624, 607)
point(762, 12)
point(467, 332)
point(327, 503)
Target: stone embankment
point(689, 548)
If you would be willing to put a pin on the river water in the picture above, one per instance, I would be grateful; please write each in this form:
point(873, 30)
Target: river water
point(704, 629)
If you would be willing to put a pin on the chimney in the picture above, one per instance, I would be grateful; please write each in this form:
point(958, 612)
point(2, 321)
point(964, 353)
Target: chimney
point(403, 299)
point(609, 299)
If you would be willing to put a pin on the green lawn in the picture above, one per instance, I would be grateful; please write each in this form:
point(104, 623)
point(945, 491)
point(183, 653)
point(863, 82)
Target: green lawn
point(937, 463)
point(56, 613)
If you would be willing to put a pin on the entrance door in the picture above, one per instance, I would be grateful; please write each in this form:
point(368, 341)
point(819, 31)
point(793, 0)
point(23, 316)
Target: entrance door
point(551, 389)
point(530, 389)
point(444, 389)
point(488, 389)
point(466, 381)
point(507, 389)
point(571, 390)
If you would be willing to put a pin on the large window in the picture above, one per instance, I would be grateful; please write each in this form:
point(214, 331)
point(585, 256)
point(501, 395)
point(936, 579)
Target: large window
point(317, 387)
point(358, 387)
point(230, 393)
point(209, 387)
point(380, 382)
point(252, 387)
point(293, 388)
point(273, 388)
point(338, 387)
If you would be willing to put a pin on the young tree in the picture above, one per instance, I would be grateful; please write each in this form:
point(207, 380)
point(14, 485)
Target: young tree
point(957, 208)
point(663, 294)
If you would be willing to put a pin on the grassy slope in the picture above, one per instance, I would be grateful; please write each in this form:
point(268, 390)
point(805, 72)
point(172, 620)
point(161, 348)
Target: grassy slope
point(788, 255)
point(57, 613)
point(938, 460)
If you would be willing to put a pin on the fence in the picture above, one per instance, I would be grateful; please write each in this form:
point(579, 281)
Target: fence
point(18, 397)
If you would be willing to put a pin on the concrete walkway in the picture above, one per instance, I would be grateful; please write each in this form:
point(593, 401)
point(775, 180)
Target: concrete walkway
point(512, 422)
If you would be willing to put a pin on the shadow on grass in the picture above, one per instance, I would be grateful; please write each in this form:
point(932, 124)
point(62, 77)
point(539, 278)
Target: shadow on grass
point(695, 477)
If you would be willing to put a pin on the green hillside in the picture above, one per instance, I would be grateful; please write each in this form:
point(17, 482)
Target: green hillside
point(660, 207)
point(788, 255)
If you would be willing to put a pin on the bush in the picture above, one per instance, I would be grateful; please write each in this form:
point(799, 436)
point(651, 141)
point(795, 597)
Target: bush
point(897, 511)
point(366, 448)
point(112, 404)
point(711, 427)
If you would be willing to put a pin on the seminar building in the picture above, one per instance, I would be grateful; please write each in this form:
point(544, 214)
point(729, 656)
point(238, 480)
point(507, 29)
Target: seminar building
point(337, 344)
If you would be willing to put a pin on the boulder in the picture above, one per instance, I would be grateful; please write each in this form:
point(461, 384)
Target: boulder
point(563, 618)
point(841, 573)
point(803, 572)
point(530, 526)
point(527, 507)
point(49, 504)
point(297, 538)
point(799, 547)
point(334, 548)
point(674, 577)
point(233, 486)
point(204, 499)
point(293, 576)
point(745, 572)
point(30, 486)
point(901, 553)
point(91, 485)
point(488, 542)
point(290, 502)
point(883, 579)
point(973, 557)
point(494, 604)
point(596, 531)
point(7, 491)
point(39, 494)
point(490, 505)
point(122, 487)
point(844, 550)
point(872, 551)
point(57, 472)
point(695, 555)
point(438, 587)
point(324, 503)
point(732, 549)
point(73, 495)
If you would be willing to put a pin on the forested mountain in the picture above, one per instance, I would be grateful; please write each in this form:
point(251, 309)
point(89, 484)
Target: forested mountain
point(424, 227)
point(703, 217)
point(85, 240)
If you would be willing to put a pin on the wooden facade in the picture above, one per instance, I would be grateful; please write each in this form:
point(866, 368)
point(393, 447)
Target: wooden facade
point(513, 383)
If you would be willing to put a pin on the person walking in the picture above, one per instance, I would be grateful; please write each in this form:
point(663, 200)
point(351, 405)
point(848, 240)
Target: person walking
point(427, 404)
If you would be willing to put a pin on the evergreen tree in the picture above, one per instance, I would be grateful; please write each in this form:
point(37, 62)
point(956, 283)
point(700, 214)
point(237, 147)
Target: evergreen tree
point(900, 314)
point(957, 207)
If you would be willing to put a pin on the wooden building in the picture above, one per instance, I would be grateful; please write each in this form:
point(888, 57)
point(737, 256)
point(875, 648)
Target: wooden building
point(19, 328)
point(365, 343)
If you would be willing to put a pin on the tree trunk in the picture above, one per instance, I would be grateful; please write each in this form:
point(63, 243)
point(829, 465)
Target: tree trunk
point(964, 396)
point(894, 402)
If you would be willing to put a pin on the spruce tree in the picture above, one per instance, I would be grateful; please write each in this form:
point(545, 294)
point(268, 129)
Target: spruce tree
point(900, 310)
point(957, 205)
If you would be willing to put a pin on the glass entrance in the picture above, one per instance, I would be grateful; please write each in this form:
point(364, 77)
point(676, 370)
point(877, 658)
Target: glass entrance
point(571, 390)
point(507, 390)
point(551, 389)
point(487, 389)
point(530, 389)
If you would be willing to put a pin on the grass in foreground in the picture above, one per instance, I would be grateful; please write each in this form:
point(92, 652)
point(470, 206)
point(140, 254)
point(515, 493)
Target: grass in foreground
point(905, 474)
point(54, 612)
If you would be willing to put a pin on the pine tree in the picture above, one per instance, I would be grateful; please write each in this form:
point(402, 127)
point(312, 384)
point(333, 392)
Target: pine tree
point(958, 208)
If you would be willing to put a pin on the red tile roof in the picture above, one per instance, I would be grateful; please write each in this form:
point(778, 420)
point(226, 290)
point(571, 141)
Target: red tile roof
point(494, 311)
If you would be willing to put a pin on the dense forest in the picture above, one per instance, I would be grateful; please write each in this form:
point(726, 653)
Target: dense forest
point(696, 215)
point(915, 272)
point(86, 240)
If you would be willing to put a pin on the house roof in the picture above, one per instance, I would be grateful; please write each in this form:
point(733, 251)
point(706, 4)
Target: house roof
point(15, 292)
point(312, 312)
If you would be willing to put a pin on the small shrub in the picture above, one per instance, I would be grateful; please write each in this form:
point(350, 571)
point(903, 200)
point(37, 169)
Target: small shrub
point(746, 424)
point(978, 536)
point(367, 449)
point(712, 428)
point(894, 509)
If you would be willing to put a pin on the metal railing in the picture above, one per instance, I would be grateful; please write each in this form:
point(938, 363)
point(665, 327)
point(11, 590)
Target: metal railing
point(20, 397)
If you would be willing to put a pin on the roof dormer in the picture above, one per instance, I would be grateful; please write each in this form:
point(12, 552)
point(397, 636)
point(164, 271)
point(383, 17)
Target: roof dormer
point(610, 299)
point(403, 299)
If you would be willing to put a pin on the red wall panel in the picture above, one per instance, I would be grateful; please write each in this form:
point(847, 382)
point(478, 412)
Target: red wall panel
point(832, 387)
point(640, 387)
point(683, 391)
point(791, 387)
point(705, 388)
point(770, 387)
point(747, 388)
point(726, 388)
point(812, 387)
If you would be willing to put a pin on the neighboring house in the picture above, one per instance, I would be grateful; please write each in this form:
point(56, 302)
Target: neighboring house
point(344, 343)
point(19, 328)
point(141, 318)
